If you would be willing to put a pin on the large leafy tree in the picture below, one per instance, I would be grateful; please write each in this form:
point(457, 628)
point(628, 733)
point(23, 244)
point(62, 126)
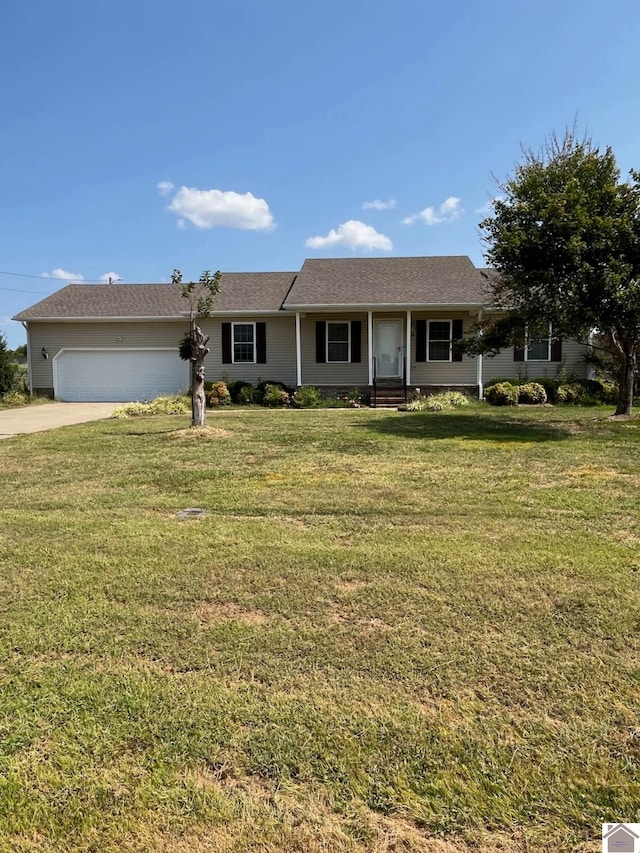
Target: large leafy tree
point(200, 296)
point(564, 240)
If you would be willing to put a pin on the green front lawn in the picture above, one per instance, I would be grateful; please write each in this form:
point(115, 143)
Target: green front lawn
point(388, 628)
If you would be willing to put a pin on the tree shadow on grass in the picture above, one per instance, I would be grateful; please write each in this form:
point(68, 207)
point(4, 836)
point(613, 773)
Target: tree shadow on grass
point(431, 425)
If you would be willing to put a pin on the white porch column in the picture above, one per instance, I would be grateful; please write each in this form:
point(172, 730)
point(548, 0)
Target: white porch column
point(407, 348)
point(370, 344)
point(298, 351)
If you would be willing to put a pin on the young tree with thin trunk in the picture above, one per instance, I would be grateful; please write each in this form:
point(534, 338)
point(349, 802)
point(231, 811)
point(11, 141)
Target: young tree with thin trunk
point(200, 296)
point(564, 240)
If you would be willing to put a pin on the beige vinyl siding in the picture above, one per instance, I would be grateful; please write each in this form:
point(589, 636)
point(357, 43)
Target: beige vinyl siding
point(113, 335)
point(281, 345)
point(447, 373)
point(281, 351)
point(350, 373)
point(503, 364)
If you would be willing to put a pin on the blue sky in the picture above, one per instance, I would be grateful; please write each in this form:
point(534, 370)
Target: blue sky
point(244, 135)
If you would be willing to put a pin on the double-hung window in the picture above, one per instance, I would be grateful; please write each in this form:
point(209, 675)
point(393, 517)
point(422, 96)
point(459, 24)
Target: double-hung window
point(539, 349)
point(338, 341)
point(244, 343)
point(439, 340)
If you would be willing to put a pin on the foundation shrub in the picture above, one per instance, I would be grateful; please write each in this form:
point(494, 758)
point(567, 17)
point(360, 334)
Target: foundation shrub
point(275, 396)
point(306, 397)
point(550, 386)
point(246, 396)
point(236, 387)
point(532, 393)
point(502, 394)
point(497, 380)
point(219, 395)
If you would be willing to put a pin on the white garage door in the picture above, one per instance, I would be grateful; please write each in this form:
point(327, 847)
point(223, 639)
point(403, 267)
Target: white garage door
point(118, 375)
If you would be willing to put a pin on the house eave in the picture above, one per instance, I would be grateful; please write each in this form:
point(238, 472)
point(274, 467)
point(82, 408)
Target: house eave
point(144, 319)
point(110, 319)
point(387, 306)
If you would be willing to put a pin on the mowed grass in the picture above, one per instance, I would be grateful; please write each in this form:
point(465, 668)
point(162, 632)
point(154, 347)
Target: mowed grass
point(391, 632)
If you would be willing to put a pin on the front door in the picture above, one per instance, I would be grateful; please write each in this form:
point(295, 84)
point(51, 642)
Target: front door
point(388, 348)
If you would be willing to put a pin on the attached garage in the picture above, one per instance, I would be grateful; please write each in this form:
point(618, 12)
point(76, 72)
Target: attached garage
point(120, 375)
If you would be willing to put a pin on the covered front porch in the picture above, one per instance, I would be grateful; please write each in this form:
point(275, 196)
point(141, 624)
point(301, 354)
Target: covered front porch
point(386, 351)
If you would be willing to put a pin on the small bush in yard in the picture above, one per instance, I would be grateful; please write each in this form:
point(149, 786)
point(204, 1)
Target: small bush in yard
point(437, 402)
point(219, 395)
point(601, 390)
point(261, 390)
point(236, 387)
point(177, 405)
point(532, 393)
point(574, 393)
point(131, 410)
point(14, 399)
point(502, 394)
point(275, 397)
point(454, 398)
point(160, 406)
point(246, 396)
point(550, 386)
point(306, 397)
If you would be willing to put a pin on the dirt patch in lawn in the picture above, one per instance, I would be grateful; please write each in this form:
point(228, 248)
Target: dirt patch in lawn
point(200, 433)
point(214, 611)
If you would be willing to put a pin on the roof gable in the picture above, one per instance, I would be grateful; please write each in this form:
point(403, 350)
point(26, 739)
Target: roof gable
point(446, 280)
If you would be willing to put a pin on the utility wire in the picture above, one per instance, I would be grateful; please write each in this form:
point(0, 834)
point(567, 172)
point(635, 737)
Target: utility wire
point(19, 290)
point(51, 278)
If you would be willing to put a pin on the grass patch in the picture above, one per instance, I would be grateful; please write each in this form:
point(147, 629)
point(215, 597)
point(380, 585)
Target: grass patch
point(391, 631)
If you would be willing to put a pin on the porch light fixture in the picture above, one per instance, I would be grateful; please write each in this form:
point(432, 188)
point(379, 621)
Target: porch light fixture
point(45, 354)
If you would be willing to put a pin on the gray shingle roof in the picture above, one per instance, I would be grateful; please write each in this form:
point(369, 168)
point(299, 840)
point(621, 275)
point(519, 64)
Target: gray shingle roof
point(447, 280)
point(244, 292)
point(336, 282)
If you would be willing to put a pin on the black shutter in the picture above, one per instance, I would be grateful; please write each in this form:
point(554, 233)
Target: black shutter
point(226, 343)
point(321, 342)
point(456, 334)
point(556, 349)
point(518, 353)
point(261, 343)
point(356, 341)
point(421, 340)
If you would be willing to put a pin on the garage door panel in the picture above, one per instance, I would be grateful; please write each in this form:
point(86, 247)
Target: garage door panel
point(119, 375)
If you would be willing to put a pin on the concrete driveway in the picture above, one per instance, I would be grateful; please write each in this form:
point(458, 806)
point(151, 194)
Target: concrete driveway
point(50, 416)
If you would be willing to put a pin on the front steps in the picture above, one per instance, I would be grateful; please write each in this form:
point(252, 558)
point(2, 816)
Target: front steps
point(388, 397)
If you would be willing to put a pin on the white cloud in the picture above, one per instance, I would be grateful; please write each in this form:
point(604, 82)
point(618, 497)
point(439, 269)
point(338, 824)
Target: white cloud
point(448, 211)
point(182, 224)
point(220, 209)
point(63, 275)
point(353, 234)
point(165, 187)
point(379, 205)
point(110, 275)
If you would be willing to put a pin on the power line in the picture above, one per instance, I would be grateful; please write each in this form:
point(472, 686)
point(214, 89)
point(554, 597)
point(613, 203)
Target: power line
point(52, 278)
point(20, 290)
